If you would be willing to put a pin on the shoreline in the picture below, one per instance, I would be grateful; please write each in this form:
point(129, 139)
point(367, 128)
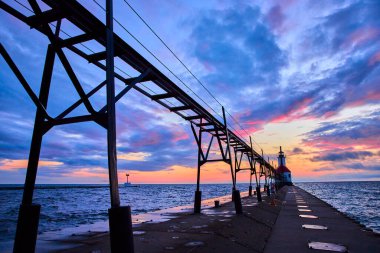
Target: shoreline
point(46, 240)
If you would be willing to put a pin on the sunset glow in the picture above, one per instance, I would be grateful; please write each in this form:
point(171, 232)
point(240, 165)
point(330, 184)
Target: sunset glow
point(304, 75)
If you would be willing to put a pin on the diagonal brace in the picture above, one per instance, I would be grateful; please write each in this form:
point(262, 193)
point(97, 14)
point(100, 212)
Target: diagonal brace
point(131, 84)
point(23, 82)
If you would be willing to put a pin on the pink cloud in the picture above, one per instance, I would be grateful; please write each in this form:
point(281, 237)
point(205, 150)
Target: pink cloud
point(276, 17)
point(296, 112)
point(361, 36)
point(9, 164)
point(365, 99)
point(97, 172)
point(337, 142)
point(324, 144)
point(374, 59)
point(209, 67)
point(180, 135)
point(151, 138)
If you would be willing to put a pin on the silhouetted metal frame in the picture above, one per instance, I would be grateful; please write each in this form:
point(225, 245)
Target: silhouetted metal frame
point(94, 30)
point(198, 130)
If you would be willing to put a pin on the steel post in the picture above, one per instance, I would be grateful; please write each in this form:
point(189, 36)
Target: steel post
point(120, 221)
point(198, 193)
point(268, 172)
point(28, 219)
point(197, 201)
point(237, 202)
point(250, 182)
point(258, 192)
point(228, 149)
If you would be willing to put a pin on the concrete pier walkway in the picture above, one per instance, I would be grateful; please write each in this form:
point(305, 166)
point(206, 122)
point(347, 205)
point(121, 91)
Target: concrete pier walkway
point(291, 233)
point(271, 226)
point(214, 230)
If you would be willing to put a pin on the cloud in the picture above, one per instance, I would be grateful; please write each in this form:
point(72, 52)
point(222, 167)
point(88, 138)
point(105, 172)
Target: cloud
point(343, 156)
point(364, 131)
point(297, 151)
point(134, 156)
point(334, 65)
point(237, 49)
point(275, 17)
point(9, 165)
point(351, 166)
point(266, 62)
point(87, 173)
point(360, 166)
point(324, 169)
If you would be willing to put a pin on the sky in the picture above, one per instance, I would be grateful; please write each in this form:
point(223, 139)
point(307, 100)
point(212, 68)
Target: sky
point(304, 75)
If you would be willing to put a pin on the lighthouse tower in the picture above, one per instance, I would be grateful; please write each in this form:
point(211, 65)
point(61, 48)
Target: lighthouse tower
point(284, 174)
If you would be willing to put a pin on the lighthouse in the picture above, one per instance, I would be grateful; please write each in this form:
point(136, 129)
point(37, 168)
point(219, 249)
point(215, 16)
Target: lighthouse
point(284, 175)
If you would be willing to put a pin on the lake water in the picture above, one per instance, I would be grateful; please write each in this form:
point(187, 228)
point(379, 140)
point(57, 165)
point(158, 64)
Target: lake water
point(359, 200)
point(70, 206)
point(65, 206)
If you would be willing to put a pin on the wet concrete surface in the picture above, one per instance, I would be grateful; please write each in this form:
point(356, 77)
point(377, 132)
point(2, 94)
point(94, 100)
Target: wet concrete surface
point(271, 226)
point(214, 230)
point(288, 235)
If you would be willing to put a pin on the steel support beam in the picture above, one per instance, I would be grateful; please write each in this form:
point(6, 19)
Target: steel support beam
point(23, 82)
point(28, 219)
point(228, 148)
point(120, 221)
point(235, 192)
point(198, 193)
point(253, 160)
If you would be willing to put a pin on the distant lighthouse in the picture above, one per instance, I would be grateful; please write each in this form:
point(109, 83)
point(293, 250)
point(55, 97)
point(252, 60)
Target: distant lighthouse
point(284, 174)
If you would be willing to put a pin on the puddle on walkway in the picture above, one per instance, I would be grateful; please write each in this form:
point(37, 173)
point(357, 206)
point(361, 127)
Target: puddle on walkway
point(308, 216)
point(224, 220)
point(200, 226)
point(139, 232)
point(194, 244)
point(308, 226)
point(327, 246)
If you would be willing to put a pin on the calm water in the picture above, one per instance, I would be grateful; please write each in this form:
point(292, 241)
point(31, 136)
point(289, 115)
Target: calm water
point(65, 206)
point(359, 200)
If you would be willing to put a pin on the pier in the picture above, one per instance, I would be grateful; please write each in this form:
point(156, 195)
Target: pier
point(273, 225)
point(280, 218)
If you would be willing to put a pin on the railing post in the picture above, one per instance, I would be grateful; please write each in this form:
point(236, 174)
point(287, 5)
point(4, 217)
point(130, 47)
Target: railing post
point(120, 221)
